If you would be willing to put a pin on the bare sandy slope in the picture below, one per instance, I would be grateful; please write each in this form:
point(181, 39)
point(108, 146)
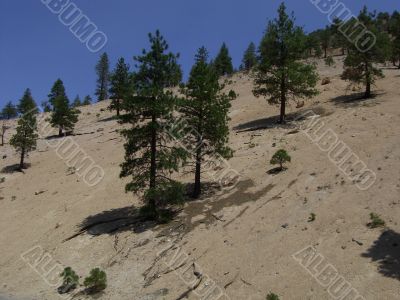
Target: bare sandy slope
point(242, 239)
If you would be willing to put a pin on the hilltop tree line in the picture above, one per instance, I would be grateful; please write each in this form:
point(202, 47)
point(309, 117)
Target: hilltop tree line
point(150, 98)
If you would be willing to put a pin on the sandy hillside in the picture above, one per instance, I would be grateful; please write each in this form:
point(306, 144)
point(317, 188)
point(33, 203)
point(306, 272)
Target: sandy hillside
point(242, 240)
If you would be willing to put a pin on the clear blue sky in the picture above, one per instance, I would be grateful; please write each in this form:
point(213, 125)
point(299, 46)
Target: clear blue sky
point(36, 49)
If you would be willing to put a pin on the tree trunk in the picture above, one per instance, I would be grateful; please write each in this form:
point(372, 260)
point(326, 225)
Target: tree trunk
point(368, 82)
point(197, 177)
point(283, 101)
point(118, 108)
point(326, 52)
point(368, 91)
point(153, 167)
point(343, 52)
point(21, 163)
point(60, 131)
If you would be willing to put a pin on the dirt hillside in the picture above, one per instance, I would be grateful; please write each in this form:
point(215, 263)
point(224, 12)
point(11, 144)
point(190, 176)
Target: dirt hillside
point(238, 242)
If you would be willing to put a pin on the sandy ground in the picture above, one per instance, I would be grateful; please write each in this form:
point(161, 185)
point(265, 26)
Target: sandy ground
point(239, 242)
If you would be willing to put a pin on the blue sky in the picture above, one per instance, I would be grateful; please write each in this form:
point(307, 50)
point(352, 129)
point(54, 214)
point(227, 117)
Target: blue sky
point(36, 48)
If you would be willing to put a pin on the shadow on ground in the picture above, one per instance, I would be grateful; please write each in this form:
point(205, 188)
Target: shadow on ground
point(113, 221)
point(356, 99)
point(273, 122)
point(208, 208)
point(113, 118)
point(386, 252)
point(14, 168)
point(208, 205)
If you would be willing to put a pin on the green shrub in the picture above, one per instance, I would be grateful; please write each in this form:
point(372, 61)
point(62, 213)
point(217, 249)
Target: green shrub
point(312, 217)
point(272, 296)
point(376, 221)
point(279, 158)
point(329, 61)
point(96, 281)
point(70, 280)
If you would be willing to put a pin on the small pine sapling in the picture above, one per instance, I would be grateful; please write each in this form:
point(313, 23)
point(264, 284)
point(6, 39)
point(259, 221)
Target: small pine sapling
point(329, 61)
point(376, 221)
point(272, 296)
point(312, 217)
point(279, 158)
point(96, 281)
point(70, 280)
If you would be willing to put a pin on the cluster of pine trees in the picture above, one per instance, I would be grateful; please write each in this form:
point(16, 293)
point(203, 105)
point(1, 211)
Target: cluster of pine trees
point(151, 109)
point(63, 116)
point(280, 75)
point(151, 98)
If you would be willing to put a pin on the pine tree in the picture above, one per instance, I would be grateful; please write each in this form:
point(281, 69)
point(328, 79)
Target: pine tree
point(46, 106)
point(63, 115)
point(394, 30)
point(223, 62)
point(280, 75)
point(338, 40)
point(77, 101)
point(58, 90)
point(87, 100)
point(359, 66)
point(205, 108)
point(103, 74)
point(249, 57)
point(120, 85)
point(4, 128)
point(9, 111)
point(24, 140)
point(312, 45)
point(326, 40)
point(149, 156)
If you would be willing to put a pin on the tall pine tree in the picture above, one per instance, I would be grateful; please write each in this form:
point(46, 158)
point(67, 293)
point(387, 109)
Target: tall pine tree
point(103, 77)
point(149, 157)
point(205, 108)
point(63, 115)
point(9, 111)
point(338, 40)
point(249, 58)
point(326, 39)
point(77, 101)
point(280, 75)
point(394, 30)
point(57, 90)
point(24, 140)
point(120, 85)
point(360, 66)
point(223, 62)
point(87, 100)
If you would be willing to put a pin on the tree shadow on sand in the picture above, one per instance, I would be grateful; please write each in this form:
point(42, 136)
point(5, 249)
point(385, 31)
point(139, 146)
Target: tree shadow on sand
point(208, 190)
point(131, 219)
point(357, 99)
point(112, 118)
point(276, 171)
point(386, 252)
point(14, 168)
point(113, 221)
point(273, 122)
